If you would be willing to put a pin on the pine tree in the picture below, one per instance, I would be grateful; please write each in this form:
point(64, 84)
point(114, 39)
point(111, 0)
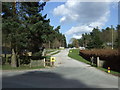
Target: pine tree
point(17, 28)
point(95, 36)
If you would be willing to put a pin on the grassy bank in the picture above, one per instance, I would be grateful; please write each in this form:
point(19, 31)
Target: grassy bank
point(74, 53)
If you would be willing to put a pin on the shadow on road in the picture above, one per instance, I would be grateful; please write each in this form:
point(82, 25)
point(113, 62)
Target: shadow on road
point(40, 79)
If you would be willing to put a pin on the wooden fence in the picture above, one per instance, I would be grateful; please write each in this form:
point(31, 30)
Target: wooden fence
point(44, 62)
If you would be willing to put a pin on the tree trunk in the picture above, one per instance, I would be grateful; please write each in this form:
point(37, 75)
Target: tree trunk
point(49, 44)
point(13, 59)
point(5, 58)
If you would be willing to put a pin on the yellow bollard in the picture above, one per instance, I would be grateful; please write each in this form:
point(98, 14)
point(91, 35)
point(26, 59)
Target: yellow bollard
point(52, 60)
point(70, 51)
point(108, 69)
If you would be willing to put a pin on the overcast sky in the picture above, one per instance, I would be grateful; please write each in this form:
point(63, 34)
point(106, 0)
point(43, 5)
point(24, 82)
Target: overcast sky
point(77, 18)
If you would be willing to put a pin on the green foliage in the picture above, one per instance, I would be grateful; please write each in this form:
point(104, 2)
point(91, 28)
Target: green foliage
point(24, 60)
point(118, 38)
point(70, 46)
point(24, 27)
point(95, 39)
point(100, 38)
point(74, 43)
point(37, 53)
point(28, 29)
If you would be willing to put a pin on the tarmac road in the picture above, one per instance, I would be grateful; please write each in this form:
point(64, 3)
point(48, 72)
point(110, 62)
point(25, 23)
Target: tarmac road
point(67, 73)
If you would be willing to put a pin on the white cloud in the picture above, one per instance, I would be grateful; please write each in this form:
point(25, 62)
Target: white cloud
point(61, 10)
point(63, 19)
point(77, 36)
point(86, 14)
point(79, 30)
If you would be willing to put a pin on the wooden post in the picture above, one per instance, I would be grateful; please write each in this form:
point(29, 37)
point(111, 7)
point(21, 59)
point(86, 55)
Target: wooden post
point(92, 58)
point(49, 44)
point(19, 62)
point(38, 62)
point(98, 62)
point(44, 62)
point(30, 63)
point(13, 59)
point(44, 52)
point(50, 63)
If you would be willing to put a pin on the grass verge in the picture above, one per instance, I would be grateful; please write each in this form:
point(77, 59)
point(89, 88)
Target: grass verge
point(111, 71)
point(8, 67)
point(74, 53)
point(55, 53)
point(49, 51)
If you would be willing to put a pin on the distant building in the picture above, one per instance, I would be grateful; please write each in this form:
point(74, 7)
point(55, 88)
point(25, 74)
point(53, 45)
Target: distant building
point(74, 47)
point(61, 48)
point(82, 48)
point(109, 43)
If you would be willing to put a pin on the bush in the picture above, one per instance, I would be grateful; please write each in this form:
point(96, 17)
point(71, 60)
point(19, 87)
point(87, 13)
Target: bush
point(37, 53)
point(9, 59)
point(24, 59)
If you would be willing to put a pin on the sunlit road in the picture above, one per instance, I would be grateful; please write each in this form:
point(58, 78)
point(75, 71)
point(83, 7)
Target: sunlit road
point(67, 73)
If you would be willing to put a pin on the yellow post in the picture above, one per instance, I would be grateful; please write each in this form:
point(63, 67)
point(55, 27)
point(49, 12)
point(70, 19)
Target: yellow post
point(108, 69)
point(52, 60)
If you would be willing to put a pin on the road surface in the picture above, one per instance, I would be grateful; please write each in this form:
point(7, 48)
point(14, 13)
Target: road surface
point(67, 73)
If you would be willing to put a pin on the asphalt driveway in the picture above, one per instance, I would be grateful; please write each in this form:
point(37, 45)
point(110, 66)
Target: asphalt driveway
point(67, 73)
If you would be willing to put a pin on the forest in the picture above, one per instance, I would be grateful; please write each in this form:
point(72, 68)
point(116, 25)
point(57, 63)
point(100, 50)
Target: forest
point(99, 38)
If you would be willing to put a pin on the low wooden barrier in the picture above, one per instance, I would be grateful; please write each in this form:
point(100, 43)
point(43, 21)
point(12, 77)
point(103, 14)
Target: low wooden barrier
point(35, 63)
point(44, 62)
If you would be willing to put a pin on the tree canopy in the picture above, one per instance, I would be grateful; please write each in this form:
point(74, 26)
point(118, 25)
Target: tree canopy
point(24, 27)
point(100, 38)
point(103, 38)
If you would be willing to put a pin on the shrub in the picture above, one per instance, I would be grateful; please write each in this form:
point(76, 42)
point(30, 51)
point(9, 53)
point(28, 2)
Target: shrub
point(24, 59)
point(37, 53)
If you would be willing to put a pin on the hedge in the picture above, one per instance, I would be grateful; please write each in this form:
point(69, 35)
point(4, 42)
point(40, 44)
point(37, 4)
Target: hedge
point(111, 57)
